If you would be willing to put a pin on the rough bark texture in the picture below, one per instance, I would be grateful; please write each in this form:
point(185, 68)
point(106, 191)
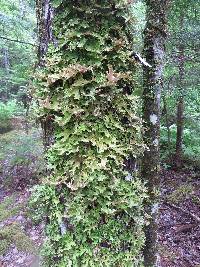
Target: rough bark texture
point(44, 13)
point(154, 51)
point(165, 108)
point(180, 108)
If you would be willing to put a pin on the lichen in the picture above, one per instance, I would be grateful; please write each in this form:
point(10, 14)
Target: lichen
point(153, 119)
point(86, 89)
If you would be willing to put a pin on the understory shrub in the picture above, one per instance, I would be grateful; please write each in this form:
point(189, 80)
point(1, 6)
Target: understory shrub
point(92, 201)
point(12, 233)
point(20, 158)
point(7, 112)
point(191, 143)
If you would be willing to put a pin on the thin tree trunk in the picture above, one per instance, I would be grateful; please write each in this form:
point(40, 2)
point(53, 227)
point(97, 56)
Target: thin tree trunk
point(6, 61)
point(167, 122)
point(154, 51)
point(44, 13)
point(166, 113)
point(6, 65)
point(180, 107)
point(22, 8)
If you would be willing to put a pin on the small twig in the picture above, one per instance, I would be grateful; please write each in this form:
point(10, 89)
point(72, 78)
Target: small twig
point(195, 217)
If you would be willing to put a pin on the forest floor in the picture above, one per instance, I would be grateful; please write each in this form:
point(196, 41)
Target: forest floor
point(21, 239)
point(179, 221)
point(20, 167)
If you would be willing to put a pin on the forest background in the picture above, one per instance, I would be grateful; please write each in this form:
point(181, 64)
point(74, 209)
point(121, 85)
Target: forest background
point(21, 152)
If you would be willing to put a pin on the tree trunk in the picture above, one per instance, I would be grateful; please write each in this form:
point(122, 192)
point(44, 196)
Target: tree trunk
point(180, 108)
point(44, 13)
point(86, 89)
point(6, 61)
point(165, 108)
point(154, 51)
point(22, 8)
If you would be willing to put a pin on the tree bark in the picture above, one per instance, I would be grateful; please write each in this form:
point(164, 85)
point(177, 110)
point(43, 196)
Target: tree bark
point(22, 8)
point(6, 61)
point(165, 108)
point(44, 13)
point(180, 107)
point(154, 51)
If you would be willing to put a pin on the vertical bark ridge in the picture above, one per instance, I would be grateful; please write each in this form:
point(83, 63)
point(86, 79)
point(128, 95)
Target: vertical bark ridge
point(154, 51)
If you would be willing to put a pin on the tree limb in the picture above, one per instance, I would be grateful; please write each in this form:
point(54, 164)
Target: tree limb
point(17, 41)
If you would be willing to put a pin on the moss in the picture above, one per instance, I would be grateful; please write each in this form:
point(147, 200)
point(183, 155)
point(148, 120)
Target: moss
point(8, 209)
point(13, 234)
point(181, 194)
point(86, 91)
point(4, 245)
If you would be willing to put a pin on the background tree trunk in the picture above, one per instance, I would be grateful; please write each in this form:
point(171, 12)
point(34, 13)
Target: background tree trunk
point(6, 61)
point(154, 51)
point(44, 13)
point(180, 106)
point(165, 109)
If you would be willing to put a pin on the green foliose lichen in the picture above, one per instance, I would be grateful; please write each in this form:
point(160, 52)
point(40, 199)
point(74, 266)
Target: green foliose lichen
point(92, 200)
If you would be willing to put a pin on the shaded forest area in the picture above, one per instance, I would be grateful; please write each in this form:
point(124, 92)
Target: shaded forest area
point(99, 133)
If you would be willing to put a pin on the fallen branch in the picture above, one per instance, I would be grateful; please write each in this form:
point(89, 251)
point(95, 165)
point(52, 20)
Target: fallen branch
point(195, 217)
point(185, 227)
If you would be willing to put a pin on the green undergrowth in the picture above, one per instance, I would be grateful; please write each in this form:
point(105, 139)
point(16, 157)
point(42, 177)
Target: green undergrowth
point(8, 209)
point(12, 233)
point(182, 193)
point(20, 158)
point(191, 145)
point(7, 111)
point(93, 200)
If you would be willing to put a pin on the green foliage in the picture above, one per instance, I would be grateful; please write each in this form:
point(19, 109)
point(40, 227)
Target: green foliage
point(21, 158)
point(7, 112)
point(183, 25)
point(12, 233)
point(191, 143)
point(17, 22)
point(92, 201)
point(179, 195)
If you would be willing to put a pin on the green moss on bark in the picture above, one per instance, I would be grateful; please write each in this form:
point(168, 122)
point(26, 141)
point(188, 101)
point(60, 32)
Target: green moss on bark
point(92, 199)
